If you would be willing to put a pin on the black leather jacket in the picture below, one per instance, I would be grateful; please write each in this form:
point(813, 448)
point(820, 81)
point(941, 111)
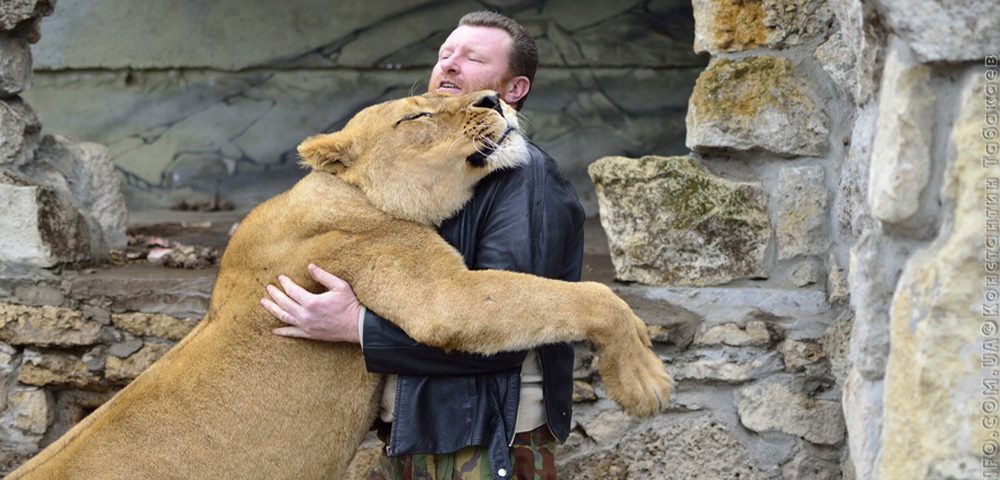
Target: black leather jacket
point(527, 220)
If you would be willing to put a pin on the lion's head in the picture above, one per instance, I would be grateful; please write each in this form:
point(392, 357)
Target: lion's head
point(418, 158)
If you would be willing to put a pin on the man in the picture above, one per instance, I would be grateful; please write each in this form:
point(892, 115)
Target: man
point(460, 415)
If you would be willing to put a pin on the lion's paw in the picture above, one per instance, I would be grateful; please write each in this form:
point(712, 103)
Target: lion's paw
point(636, 378)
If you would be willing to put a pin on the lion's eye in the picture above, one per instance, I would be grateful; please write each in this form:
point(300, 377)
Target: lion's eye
point(413, 116)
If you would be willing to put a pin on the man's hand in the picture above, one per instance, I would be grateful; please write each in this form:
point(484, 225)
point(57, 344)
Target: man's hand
point(330, 316)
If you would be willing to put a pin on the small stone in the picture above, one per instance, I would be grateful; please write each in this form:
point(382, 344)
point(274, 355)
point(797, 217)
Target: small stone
point(97, 314)
point(94, 359)
point(608, 425)
point(31, 410)
point(836, 343)
point(813, 462)
point(755, 103)
point(671, 221)
point(802, 205)
point(778, 404)
point(126, 348)
point(15, 65)
point(658, 333)
point(51, 369)
point(754, 334)
point(798, 354)
point(46, 326)
point(119, 370)
point(838, 60)
point(153, 325)
point(805, 273)
point(837, 288)
point(583, 392)
point(21, 129)
point(732, 366)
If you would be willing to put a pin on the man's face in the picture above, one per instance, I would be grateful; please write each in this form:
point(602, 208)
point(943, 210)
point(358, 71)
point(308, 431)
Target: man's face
point(472, 58)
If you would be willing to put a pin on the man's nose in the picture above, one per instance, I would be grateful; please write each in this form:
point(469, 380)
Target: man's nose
point(491, 101)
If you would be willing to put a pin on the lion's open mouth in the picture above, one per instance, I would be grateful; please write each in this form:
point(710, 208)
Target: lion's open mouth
point(478, 158)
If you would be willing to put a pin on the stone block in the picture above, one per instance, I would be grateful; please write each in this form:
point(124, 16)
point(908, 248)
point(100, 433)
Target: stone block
point(813, 462)
point(671, 221)
point(46, 326)
point(19, 132)
point(727, 365)
point(31, 410)
point(779, 404)
point(15, 65)
point(736, 25)
point(753, 334)
point(839, 61)
point(804, 273)
point(55, 369)
point(797, 355)
point(153, 324)
point(935, 375)
point(837, 289)
point(124, 370)
point(755, 103)
point(40, 228)
point(670, 447)
point(84, 172)
point(945, 31)
point(854, 64)
point(901, 154)
point(802, 206)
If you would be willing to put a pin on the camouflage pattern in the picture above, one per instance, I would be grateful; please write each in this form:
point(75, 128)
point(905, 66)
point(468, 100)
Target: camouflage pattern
point(532, 456)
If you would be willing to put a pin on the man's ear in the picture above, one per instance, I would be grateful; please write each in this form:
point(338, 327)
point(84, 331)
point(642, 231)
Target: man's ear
point(516, 89)
point(326, 152)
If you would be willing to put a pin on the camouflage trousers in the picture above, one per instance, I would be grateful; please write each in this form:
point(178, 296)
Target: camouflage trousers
point(532, 456)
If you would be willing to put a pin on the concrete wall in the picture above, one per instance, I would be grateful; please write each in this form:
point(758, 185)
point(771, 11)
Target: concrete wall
point(193, 96)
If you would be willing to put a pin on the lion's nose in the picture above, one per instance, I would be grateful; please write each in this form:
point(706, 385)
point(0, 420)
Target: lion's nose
point(491, 101)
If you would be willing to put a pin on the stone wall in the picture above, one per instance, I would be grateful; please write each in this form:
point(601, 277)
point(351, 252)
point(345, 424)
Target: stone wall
point(217, 97)
point(846, 151)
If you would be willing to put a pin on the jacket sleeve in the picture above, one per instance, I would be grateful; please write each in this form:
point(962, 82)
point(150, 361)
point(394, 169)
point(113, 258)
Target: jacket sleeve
point(505, 242)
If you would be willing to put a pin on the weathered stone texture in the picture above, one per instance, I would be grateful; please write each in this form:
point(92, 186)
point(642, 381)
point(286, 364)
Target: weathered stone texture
point(156, 325)
point(46, 326)
point(901, 154)
point(856, 69)
point(15, 65)
point(55, 369)
point(670, 221)
point(945, 30)
point(16, 13)
point(708, 449)
point(756, 103)
point(40, 227)
point(85, 173)
point(736, 25)
point(725, 365)
point(753, 334)
point(935, 322)
point(779, 404)
point(30, 410)
point(802, 206)
point(124, 370)
point(19, 132)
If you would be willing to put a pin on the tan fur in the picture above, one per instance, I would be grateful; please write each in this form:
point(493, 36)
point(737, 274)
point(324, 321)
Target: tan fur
point(234, 401)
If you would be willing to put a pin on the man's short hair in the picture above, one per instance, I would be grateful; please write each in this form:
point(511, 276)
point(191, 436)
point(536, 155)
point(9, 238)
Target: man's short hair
point(523, 51)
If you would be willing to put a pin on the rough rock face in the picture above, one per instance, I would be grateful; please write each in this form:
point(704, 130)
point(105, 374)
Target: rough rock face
point(40, 227)
point(19, 133)
point(938, 322)
point(15, 65)
point(736, 25)
point(699, 445)
point(901, 155)
point(671, 222)
point(940, 30)
point(802, 206)
point(779, 404)
point(46, 326)
point(756, 103)
point(85, 173)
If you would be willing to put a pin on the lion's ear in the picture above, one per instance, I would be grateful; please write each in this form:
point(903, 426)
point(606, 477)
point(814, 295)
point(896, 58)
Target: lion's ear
point(326, 152)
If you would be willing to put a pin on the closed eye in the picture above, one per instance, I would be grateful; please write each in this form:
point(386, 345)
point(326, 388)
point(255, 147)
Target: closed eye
point(413, 116)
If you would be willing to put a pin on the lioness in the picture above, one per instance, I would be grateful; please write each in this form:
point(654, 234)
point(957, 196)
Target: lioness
point(233, 401)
